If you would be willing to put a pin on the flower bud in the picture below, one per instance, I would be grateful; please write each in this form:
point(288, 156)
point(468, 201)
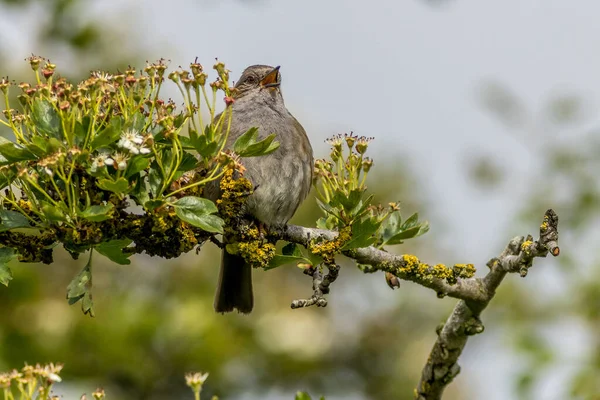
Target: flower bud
point(350, 140)
point(367, 164)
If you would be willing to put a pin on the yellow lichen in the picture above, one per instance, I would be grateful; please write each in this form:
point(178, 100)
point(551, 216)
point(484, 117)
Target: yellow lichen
point(526, 246)
point(464, 270)
point(234, 194)
point(329, 248)
point(413, 268)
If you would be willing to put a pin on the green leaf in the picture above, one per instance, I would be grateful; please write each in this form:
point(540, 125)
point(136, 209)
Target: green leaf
point(204, 147)
point(46, 118)
point(97, 213)
point(348, 202)
point(13, 152)
point(198, 205)
point(54, 145)
point(291, 249)
point(140, 192)
point(302, 396)
point(12, 220)
point(108, 135)
point(188, 163)
point(197, 211)
point(6, 177)
point(80, 289)
point(245, 140)
point(391, 226)
point(406, 234)
point(40, 142)
point(137, 122)
point(209, 223)
point(121, 185)
point(53, 213)
point(135, 165)
point(264, 147)
point(290, 253)
point(6, 254)
point(80, 131)
point(279, 259)
point(412, 221)
point(155, 180)
point(36, 150)
point(113, 250)
point(153, 204)
point(394, 233)
point(362, 233)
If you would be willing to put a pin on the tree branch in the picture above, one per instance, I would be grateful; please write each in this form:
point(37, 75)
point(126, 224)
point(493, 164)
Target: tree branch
point(474, 293)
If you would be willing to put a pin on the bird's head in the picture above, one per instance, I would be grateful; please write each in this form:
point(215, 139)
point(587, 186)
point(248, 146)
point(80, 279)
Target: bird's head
point(258, 78)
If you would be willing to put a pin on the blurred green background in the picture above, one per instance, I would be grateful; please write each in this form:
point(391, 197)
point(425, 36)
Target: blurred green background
point(481, 161)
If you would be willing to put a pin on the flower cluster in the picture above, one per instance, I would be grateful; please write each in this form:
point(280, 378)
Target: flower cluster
point(133, 142)
point(31, 379)
point(83, 153)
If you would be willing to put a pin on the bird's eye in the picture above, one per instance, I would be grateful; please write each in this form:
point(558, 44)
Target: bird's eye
point(250, 79)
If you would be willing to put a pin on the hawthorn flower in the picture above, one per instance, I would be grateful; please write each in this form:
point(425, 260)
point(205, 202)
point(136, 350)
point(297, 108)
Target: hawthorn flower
point(195, 380)
point(362, 143)
point(117, 160)
point(132, 141)
point(100, 161)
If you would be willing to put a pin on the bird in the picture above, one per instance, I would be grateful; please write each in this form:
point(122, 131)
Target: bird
point(281, 179)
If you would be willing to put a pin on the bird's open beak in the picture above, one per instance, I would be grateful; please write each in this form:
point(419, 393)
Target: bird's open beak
point(272, 79)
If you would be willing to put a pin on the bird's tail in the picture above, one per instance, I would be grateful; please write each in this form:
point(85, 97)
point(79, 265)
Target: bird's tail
point(234, 290)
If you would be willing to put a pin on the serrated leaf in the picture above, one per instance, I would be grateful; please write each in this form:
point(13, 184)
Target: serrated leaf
point(45, 118)
point(80, 289)
point(87, 305)
point(391, 226)
point(407, 234)
point(264, 147)
point(412, 221)
point(121, 185)
point(197, 211)
point(135, 165)
point(97, 213)
point(203, 146)
point(36, 150)
point(188, 163)
point(423, 229)
point(350, 202)
point(137, 122)
point(140, 192)
point(110, 134)
point(208, 223)
point(362, 234)
point(411, 228)
point(245, 140)
point(6, 255)
point(13, 152)
point(153, 204)
point(113, 250)
point(53, 213)
point(155, 180)
point(80, 130)
point(40, 142)
point(279, 259)
point(195, 204)
point(291, 249)
point(11, 220)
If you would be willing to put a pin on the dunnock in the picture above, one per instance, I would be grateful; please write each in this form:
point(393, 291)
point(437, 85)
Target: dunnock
point(281, 179)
